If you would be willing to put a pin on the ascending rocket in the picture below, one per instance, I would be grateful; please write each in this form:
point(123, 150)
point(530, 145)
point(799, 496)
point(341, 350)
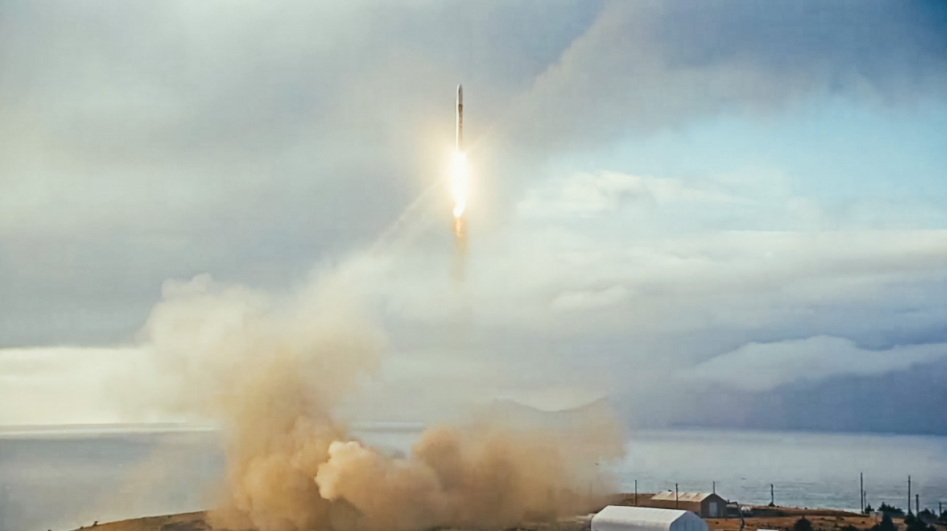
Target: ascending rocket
point(459, 175)
point(460, 118)
point(459, 189)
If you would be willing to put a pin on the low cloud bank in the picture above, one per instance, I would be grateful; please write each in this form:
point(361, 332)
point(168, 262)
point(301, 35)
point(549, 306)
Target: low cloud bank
point(765, 366)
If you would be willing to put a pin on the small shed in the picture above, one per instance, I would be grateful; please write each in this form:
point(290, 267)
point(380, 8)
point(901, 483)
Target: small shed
point(705, 505)
point(621, 518)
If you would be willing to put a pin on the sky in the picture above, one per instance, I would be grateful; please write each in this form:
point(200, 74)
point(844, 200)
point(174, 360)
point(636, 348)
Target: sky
point(725, 214)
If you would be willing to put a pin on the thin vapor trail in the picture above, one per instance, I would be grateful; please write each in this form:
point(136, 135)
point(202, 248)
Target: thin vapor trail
point(400, 230)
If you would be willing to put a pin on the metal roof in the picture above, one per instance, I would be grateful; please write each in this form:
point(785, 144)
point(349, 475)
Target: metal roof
point(620, 518)
point(683, 496)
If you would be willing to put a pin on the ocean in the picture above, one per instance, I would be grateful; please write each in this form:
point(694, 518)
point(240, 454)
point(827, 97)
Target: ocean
point(63, 479)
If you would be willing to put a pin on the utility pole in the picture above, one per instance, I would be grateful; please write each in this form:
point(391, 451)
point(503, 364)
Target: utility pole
point(636, 493)
point(676, 504)
point(917, 504)
point(909, 494)
point(861, 490)
point(772, 496)
point(715, 487)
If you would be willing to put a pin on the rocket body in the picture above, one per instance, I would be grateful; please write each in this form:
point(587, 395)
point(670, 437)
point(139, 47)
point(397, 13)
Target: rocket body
point(460, 118)
point(459, 173)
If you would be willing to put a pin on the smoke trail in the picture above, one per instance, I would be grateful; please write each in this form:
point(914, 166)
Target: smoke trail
point(460, 175)
point(408, 224)
point(459, 261)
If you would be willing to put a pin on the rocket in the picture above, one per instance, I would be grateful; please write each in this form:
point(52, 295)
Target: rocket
point(460, 118)
point(459, 173)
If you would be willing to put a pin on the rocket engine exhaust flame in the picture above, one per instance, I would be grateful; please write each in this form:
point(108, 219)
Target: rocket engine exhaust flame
point(459, 186)
point(459, 183)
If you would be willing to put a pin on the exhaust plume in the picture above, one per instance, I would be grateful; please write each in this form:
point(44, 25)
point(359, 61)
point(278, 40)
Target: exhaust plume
point(459, 185)
point(459, 262)
point(272, 370)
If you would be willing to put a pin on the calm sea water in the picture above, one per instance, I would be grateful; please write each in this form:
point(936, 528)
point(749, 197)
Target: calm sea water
point(805, 469)
point(62, 480)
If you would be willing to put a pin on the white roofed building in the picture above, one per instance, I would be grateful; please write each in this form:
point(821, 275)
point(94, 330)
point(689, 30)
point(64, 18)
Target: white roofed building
point(621, 518)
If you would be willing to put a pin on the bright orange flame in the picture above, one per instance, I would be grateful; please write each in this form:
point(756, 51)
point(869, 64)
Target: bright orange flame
point(459, 183)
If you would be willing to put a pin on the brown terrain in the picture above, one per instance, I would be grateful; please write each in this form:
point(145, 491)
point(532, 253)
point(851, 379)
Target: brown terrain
point(822, 519)
point(175, 522)
point(778, 518)
point(198, 522)
point(785, 517)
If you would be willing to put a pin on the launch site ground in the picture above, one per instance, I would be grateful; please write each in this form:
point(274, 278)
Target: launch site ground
point(822, 520)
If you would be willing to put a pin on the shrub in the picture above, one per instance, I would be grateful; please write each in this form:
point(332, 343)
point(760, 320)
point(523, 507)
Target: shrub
point(886, 524)
point(885, 508)
point(802, 525)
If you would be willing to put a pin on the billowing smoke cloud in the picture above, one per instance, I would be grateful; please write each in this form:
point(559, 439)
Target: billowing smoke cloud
point(486, 475)
point(272, 370)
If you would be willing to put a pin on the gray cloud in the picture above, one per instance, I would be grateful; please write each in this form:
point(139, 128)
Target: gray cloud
point(65, 385)
point(143, 141)
point(649, 66)
point(895, 401)
point(764, 366)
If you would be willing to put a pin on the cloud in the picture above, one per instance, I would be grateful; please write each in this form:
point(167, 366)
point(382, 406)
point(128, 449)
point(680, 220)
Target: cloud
point(765, 366)
point(606, 306)
point(586, 299)
point(590, 195)
point(68, 385)
point(645, 67)
point(141, 142)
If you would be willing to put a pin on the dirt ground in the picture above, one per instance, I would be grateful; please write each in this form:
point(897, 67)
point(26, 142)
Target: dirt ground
point(174, 522)
point(822, 520)
point(785, 523)
point(197, 522)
